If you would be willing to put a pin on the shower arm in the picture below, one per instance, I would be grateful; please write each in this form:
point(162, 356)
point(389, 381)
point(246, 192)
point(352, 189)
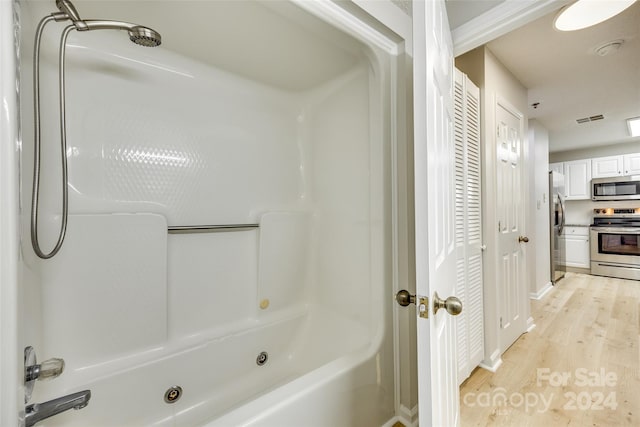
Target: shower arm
point(96, 24)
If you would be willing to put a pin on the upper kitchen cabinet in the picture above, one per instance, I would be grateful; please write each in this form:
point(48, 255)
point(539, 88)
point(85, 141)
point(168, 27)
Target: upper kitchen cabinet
point(577, 179)
point(603, 167)
point(632, 164)
point(557, 167)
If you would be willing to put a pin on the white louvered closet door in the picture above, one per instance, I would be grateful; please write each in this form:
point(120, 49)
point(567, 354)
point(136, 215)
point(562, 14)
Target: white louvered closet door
point(470, 330)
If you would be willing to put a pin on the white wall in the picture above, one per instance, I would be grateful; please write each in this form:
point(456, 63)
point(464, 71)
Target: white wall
point(539, 138)
point(599, 151)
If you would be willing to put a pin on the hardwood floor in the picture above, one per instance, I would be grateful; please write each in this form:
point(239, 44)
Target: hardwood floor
point(578, 367)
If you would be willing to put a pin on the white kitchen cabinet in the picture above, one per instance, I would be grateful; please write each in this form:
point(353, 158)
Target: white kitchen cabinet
point(603, 167)
point(577, 246)
point(577, 179)
point(632, 164)
point(557, 167)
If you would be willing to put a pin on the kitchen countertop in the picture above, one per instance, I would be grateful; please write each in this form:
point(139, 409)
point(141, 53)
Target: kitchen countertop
point(577, 225)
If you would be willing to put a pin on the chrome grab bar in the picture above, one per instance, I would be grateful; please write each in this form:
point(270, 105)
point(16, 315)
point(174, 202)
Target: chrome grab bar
point(192, 229)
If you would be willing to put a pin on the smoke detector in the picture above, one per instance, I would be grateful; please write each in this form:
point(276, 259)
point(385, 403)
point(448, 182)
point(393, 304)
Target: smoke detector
point(608, 48)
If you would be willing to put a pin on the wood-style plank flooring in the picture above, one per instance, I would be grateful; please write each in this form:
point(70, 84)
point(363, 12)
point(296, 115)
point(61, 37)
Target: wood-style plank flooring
point(580, 366)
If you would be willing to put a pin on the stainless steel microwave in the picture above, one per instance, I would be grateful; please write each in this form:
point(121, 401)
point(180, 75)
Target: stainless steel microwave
point(616, 188)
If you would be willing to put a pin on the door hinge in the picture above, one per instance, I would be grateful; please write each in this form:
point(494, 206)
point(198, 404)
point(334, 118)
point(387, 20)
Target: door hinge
point(501, 323)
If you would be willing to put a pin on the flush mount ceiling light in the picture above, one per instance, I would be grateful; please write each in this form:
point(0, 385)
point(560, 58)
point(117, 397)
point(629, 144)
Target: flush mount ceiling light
point(634, 126)
point(585, 13)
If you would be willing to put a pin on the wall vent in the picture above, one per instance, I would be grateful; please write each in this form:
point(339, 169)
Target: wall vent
point(590, 119)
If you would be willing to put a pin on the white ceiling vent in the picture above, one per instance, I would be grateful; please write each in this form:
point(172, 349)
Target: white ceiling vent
point(590, 119)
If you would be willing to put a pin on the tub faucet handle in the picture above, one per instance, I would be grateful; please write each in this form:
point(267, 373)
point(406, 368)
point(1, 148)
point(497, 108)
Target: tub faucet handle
point(47, 370)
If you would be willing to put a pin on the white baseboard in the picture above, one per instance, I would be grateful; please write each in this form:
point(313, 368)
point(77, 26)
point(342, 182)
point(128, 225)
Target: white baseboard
point(408, 417)
point(392, 422)
point(530, 324)
point(542, 292)
point(493, 363)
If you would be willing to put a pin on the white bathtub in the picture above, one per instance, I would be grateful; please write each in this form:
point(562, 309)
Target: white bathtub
point(310, 353)
point(161, 138)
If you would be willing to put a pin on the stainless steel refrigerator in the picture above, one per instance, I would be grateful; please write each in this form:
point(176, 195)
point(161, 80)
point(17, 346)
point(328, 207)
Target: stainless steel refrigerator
point(557, 212)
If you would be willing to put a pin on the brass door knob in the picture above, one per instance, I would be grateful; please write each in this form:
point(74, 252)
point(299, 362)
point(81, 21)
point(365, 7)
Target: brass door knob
point(404, 298)
point(523, 239)
point(452, 304)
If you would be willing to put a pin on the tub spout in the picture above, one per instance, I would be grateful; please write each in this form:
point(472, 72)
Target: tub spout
point(39, 411)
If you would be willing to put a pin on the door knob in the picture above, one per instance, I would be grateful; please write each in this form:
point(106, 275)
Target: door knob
point(523, 239)
point(404, 298)
point(452, 304)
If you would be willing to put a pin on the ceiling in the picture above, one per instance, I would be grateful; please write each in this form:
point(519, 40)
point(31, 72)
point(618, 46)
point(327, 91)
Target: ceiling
point(462, 11)
point(568, 79)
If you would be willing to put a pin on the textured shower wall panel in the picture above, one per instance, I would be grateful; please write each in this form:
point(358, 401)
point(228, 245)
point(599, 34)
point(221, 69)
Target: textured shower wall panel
point(153, 131)
point(105, 294)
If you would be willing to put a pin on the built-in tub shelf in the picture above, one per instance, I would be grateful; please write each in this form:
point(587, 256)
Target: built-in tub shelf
point(192, 229)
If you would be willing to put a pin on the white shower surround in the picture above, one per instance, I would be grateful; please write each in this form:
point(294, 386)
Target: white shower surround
point(151, 135)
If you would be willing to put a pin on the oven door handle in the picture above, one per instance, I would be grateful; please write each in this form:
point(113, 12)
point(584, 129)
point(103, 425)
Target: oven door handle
point(621, 230)
point(629, 267)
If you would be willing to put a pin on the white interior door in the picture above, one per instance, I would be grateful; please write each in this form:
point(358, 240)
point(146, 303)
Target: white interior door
point(434, 213)
point(512, 260)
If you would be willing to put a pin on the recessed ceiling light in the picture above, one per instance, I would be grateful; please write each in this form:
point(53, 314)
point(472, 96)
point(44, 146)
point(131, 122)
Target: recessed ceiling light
point(585, 13)
point(634, 126)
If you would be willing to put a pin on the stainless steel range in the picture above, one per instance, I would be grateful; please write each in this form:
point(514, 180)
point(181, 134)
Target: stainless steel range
point(615, 243)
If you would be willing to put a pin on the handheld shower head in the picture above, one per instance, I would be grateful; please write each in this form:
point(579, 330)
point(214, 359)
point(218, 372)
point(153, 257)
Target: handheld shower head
point(140, 35)
point(144, 36)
